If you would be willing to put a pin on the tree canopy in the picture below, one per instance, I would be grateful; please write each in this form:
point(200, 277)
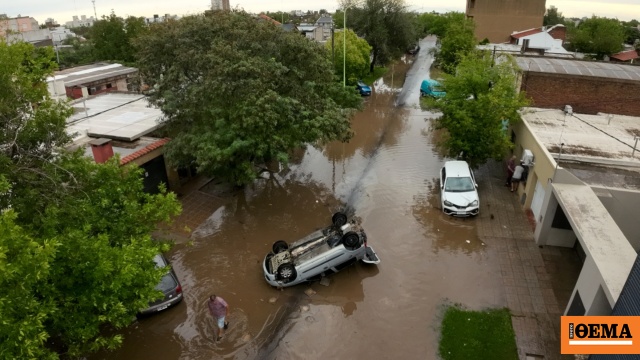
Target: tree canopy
point(76, 255)
point(437, 24)
point(478, 99)
point(238, 92)
point(598, 36)
point(552, 17)
point(357, 60)
point(112, 37)
point(386, 25)
point(458, 41)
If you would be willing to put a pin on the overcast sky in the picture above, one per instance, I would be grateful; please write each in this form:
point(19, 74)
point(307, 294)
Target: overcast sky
point(63, 10)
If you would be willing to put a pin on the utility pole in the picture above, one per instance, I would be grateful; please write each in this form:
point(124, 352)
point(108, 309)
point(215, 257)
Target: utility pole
point(333, 51)
point(344, 49)
point(94, 9)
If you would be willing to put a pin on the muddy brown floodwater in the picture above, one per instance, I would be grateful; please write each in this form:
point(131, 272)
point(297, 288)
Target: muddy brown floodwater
point(388, 173)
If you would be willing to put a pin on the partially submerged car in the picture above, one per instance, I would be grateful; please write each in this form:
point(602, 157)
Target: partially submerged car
point(431, 88)
point(320, 253)
point(363, 89)
point(413, 49)
point(170, 287)
point(458, 189)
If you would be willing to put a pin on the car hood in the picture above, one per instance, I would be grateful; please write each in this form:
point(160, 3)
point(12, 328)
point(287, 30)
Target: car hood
point(461, 198)
point(365, 88)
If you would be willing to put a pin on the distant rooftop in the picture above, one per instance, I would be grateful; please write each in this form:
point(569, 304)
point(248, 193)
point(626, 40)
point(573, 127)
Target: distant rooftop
point(578, 67)
point(597, 148)
point(117, 116)
point(89, 73)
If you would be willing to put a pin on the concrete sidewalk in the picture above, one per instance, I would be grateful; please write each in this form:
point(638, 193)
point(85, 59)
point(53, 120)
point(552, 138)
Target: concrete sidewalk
point(537, 281)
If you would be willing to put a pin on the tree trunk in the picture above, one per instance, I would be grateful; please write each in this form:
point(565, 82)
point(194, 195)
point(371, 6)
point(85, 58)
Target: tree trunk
point(373, 61)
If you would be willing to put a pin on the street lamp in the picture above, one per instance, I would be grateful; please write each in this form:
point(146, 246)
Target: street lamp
point(344, 49)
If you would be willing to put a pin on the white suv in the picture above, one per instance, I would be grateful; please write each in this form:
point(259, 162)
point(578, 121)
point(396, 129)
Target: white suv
point(458, 189)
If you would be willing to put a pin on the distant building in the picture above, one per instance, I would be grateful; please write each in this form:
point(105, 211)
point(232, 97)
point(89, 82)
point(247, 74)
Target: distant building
point(496, 19)
point(82, 21)
point(629, 56)
point(312, 31)
point(157, 18)
point(326, 23)
point(17, 24)
point(220, 5)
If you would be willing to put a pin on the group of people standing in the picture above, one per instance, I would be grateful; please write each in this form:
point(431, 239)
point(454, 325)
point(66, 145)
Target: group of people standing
point(514, 173)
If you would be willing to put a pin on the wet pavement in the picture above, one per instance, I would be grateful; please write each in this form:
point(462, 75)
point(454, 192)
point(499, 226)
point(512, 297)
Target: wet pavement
point(388, 174)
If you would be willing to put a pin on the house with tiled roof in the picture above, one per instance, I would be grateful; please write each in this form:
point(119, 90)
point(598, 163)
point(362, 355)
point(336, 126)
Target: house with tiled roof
point(627, 56)
point(542, 39)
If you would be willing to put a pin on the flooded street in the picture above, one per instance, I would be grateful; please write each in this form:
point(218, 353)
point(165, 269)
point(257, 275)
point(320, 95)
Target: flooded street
point(388, 173)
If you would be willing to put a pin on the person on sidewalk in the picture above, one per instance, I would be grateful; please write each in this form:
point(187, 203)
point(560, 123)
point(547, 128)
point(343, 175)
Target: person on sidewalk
point(511, 166)
point(517, 176)
point(219, 310)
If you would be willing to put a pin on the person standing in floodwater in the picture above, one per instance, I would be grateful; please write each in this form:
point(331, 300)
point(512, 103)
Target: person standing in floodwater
point(219, 310)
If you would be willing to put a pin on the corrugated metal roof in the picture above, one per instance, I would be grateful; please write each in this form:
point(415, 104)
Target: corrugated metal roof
point(577, 67)
point(90, 74)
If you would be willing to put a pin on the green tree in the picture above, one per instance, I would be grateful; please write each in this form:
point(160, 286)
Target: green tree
point(80, 53)
point(77, 235)
point(385, 24)
point(338, 19)
point(478, 99)
point(598, 36)
point(24, 265)
point(553, 17)
point(239, 93)
point(113, 36)
point(437, 24)
point(357, 59)
point(458, 42)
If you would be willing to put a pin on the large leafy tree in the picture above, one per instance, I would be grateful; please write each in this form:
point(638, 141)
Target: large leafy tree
point(458, 41)
point(75, 252)
point(113, 36)
point(357, 53)
point(386, 25)
point(552, 17)
point(238, 92)
point(598, 36)
point(437, 24)
point(479, 99)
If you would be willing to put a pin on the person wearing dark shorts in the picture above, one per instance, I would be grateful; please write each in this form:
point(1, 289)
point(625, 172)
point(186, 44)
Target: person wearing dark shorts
point(511, 166)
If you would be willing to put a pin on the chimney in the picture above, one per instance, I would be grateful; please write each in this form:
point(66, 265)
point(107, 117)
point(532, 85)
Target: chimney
point(525, 46)
point(102, 149)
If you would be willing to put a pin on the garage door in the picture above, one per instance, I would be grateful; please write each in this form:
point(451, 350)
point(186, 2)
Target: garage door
point(536, 202)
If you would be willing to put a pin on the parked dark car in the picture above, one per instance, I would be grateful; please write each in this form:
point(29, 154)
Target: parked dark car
point(414, 49)
point(363, 88)
point(169, 285)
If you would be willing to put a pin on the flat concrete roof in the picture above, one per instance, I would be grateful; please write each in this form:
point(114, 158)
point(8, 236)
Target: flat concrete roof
point(90, 73)
point(116, 116)
point(599, 235)
point(579, 67)
point(604, 139)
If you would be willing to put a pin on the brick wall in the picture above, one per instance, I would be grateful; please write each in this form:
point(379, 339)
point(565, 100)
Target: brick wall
point(587, 95)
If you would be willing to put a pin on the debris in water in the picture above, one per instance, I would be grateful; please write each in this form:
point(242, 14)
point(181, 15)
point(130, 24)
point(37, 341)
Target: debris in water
point(482, 244)
point(324, 281)
point(273, 300)
point(468, 242)
point(310, 319)
point(246, 337)
point(304, 308)
point(309, 292)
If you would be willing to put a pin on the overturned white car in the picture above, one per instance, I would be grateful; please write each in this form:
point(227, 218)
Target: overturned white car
point(320, 253)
